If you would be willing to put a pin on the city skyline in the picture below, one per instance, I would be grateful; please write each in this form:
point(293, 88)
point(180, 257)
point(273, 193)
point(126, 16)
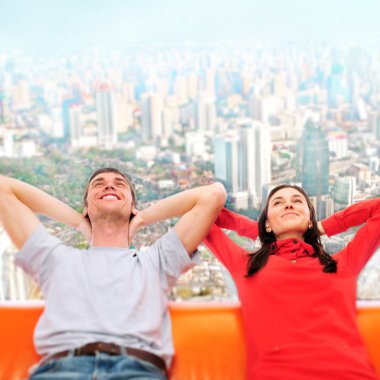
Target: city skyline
point(157, 112)
point(47, 24)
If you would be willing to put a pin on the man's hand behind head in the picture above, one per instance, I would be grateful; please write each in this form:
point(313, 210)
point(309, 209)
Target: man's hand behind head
point(135, 224)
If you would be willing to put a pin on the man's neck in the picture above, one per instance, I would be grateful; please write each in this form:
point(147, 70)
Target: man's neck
point(110, 235)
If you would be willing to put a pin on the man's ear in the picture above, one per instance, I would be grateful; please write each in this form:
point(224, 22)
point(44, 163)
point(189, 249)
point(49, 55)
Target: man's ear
point(134, 212)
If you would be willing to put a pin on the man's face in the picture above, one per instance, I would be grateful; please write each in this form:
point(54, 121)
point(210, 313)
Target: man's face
point(109, 195)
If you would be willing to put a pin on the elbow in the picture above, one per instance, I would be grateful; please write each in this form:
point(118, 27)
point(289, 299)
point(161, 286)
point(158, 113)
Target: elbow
point(218, 195)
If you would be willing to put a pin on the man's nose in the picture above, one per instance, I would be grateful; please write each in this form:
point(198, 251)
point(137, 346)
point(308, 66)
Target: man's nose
point(109, 186)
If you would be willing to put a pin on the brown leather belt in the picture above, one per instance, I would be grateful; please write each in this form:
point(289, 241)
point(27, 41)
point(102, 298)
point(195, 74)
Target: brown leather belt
point(111, 349)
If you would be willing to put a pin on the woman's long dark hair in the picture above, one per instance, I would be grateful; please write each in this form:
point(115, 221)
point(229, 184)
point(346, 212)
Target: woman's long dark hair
point(257, 260)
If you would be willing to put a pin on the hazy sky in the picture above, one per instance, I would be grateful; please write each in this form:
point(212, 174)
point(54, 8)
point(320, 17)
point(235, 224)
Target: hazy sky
point(46, 23)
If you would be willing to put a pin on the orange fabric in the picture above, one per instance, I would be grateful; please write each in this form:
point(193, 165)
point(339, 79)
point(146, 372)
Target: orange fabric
point(17, 353)
point(369, 326)
point(208, 340)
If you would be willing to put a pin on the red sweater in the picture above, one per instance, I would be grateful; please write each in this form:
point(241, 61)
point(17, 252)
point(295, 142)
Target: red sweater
point(300, 322)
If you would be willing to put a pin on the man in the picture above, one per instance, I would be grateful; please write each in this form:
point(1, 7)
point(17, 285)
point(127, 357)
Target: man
point(106, 313)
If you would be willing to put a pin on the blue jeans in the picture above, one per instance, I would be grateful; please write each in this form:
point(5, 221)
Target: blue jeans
point(98, 367)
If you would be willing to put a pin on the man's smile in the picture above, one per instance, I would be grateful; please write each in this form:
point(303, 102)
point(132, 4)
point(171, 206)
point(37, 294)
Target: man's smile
point(109, 197)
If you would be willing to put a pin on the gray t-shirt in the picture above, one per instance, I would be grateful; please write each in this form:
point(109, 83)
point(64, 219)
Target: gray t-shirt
point(106, 294)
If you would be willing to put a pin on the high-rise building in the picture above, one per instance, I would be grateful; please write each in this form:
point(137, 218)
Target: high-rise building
point(123, 112)
point(254, 158)
point(337, 92)
point(105, 106)
point(243, 161)
point(262, 107)
point(338, 143)
point(226, 163)
point(313, 160)
point(128, 90)
point(57, 130)
point(20, 96)
point(374, 123)
point(170, 121)
point(361, 173)
point(76, 132)
point(195, 144)
point(343, 192)
point(180, 89)
point(279, 88)
point(66, 105)
point(83, 130)
point(192, 85)
point(205, 114)
point(208, 77)
point(151, 117)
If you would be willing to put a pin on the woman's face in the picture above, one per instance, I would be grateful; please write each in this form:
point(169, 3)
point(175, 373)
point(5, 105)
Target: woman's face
point(288, 214)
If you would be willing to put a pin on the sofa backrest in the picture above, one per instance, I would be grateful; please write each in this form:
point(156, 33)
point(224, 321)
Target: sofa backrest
point(208, 339)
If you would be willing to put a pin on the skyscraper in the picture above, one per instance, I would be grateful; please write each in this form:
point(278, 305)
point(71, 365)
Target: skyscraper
point(105, 106)
point(313, 166)
point(151, 117)
point(205, 114)
point(66, 105)
point(226, 150)
point(343, 192)
point(337, 92)
point(243, 161)
point(76, 131)
point(83, 131)
point(254, 158)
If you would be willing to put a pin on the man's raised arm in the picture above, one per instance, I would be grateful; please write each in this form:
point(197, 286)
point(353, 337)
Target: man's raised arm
point(198, 209)
point(19, 202)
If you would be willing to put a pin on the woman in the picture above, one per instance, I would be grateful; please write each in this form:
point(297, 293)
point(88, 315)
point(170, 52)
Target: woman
point(299, 303)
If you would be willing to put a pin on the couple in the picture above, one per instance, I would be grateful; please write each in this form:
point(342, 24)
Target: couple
point(106, 311)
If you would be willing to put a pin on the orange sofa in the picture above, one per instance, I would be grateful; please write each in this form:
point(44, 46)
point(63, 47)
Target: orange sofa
point(208, 339)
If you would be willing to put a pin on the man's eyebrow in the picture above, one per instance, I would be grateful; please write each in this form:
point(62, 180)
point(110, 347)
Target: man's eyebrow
point(121, 179)
point(99, 179)
point(116, 179)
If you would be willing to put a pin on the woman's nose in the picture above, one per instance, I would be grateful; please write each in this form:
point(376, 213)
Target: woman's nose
point(288, 205)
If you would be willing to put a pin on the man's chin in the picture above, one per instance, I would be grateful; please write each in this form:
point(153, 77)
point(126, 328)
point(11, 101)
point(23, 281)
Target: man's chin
point(109, 214)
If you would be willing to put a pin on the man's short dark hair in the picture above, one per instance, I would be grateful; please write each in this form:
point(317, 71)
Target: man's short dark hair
point(110, 170)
